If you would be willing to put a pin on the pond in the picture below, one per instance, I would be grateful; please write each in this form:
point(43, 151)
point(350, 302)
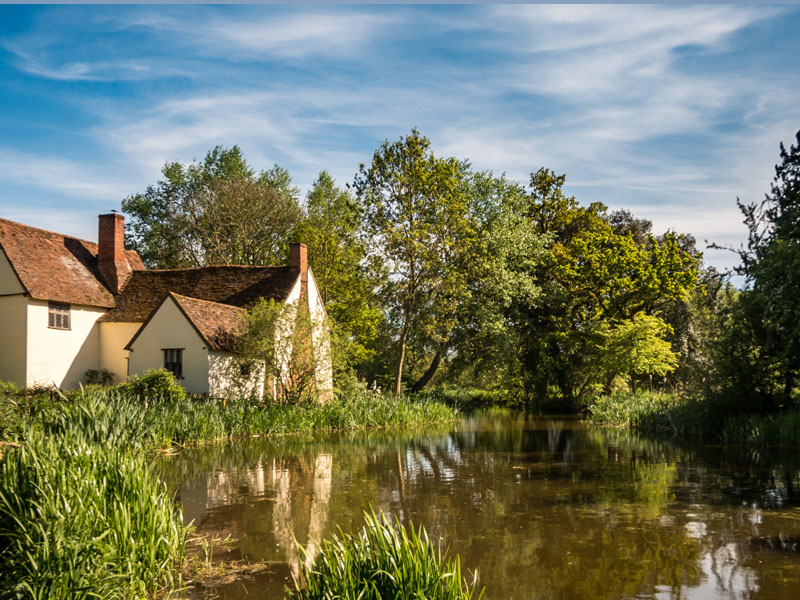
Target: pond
point(541, 507)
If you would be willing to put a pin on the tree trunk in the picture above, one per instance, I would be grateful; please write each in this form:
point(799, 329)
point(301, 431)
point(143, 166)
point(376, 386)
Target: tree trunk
point(398, 375)
point(428, 375)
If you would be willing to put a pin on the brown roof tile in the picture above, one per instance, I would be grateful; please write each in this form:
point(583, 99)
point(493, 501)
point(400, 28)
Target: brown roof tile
point(53, 266)
point(234, 285)
point(218, 324)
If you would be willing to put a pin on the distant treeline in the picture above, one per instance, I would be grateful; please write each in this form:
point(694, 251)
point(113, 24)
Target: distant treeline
point(437, 274)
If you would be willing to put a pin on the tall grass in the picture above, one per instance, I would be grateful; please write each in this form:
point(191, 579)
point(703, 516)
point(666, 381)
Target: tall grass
point(79, 519)
point(778, 429)
point(649, 411)
point(380, 562)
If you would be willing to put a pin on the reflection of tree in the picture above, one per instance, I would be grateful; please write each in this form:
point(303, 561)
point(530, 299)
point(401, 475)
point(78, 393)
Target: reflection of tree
point(542, 509)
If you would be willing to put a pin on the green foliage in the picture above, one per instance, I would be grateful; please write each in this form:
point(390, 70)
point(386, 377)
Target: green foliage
point(84, 519)
point(346, 280)
point(215, 211)
point(776, 429)
point(155, 383)
point(762, 333)
point(415, 216)
point(99, 377)
point(636, 347)
point(382, 561)
point(648, 411)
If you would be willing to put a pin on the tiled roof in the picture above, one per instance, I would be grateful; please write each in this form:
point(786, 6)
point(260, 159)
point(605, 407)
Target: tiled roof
point(234, 285)
point(218, 324)
point(57, 267)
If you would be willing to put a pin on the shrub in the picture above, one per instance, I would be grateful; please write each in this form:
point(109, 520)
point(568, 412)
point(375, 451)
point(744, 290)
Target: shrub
point(102, 377)
point(155, 383)
point(381, 561)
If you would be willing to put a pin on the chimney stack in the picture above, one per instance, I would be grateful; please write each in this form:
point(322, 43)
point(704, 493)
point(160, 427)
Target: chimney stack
point(111, 261)
point(298, 259)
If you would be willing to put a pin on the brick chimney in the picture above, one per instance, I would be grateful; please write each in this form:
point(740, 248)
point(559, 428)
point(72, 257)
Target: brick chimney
point(111, 261)
point(298, 259)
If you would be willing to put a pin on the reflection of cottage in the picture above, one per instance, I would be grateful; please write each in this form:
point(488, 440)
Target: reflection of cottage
point(69, 306)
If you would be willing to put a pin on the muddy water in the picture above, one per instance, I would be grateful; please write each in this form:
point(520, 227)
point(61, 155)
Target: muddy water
point(542, 508)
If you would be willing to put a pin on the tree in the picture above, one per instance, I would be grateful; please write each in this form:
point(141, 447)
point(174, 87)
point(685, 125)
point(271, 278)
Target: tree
point(415, 222)
point(216, 210)
point(337, 254)
point(637, 347)
point(771, 267)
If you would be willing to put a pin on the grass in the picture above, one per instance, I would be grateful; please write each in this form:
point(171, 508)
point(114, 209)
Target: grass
point(82, 515)
point(649, 411)
point(777, 429)
point(80, 519)
point(382, 561)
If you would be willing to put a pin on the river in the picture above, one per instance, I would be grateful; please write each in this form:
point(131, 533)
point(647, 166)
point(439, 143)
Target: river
point(541, 507)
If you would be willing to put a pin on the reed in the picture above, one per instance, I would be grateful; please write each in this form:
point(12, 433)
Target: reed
point(83, 520)
point(382, 561)
point(651, 411)
point(777, 429)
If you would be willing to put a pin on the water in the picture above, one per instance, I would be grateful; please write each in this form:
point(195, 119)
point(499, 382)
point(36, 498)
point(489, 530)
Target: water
point(542, 508)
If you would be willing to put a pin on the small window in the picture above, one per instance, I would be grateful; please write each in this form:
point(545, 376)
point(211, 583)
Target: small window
point(58, 315)
point(173, 361)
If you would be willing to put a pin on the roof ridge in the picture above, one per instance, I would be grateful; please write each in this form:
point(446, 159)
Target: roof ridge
point(181, 269)
point(193, 299)
point(51, 232)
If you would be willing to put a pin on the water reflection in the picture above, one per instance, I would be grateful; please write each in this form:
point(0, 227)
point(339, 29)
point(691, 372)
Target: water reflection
point(543, 508)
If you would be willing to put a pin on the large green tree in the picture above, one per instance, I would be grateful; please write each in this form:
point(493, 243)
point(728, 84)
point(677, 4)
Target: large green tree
point(218, 210)
point(769, 306)
point(416, 222)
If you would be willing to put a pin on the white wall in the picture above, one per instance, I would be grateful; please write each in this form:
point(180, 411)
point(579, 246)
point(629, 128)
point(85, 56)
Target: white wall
point(321, 340)
point(113, 356)
point(61, 357)
point(169, 329)
point(225, 379)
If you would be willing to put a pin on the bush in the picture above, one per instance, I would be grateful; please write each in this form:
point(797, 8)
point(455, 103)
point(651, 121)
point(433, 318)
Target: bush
point(155, 383)
point(381, 561)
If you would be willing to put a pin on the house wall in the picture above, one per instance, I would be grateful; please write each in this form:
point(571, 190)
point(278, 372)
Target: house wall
point(57, 356)
point(169, 329)
point(113, 356)
point(226, 380)
point(321, 340)
point(13, 334)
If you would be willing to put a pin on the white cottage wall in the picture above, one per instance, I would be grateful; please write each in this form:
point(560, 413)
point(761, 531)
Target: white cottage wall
point(113, 356)
point(321, 339)
point(61, 357)
point(169, 328)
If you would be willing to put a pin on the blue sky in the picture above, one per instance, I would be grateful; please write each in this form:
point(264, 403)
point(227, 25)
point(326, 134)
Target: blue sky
point(671, 112)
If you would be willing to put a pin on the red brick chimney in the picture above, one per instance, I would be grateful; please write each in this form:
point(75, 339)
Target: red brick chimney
point(111, 259)
point(298, 259)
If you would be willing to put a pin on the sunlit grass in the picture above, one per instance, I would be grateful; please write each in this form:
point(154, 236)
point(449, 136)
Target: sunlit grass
point(649, 411)
point(382, 561)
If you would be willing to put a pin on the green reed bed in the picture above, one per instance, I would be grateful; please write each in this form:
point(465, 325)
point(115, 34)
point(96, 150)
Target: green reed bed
point(80, 519)
point(778, 429)
point(651, 411)
point(382, 561)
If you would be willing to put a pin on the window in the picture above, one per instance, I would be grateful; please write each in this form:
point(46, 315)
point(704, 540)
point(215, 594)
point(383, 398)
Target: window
point(58, 315)
point(173, 361)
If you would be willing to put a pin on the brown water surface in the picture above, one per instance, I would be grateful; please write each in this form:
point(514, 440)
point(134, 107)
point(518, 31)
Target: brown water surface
point(541, 507)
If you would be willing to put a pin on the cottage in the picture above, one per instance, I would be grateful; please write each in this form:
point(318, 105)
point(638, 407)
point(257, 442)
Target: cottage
point(69, 306)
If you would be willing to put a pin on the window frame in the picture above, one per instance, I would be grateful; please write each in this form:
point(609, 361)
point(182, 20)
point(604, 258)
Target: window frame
point(59, 312)
point(178, 360)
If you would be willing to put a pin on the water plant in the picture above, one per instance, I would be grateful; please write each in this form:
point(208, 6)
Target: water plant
point(84, 520)
point(381, 561)
point(651, 411)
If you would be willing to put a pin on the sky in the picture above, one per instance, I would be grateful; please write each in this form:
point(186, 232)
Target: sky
point(671, 112)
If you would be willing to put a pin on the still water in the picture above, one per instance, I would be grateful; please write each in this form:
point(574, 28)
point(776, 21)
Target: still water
point(541, 507)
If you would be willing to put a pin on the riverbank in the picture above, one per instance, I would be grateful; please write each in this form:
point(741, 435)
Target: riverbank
point(692, 417)
point(81, 513)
